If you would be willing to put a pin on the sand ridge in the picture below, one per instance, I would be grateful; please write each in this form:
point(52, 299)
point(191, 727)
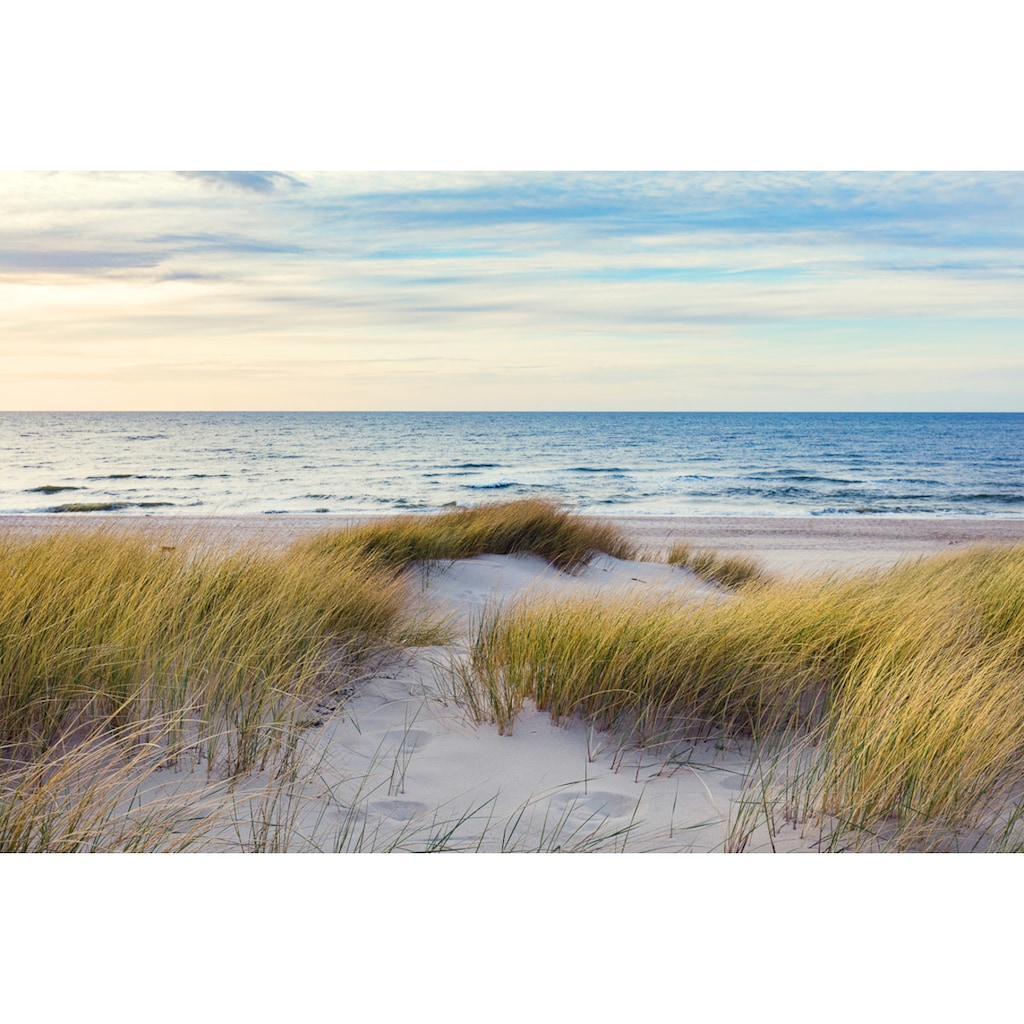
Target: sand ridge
point(401, 765)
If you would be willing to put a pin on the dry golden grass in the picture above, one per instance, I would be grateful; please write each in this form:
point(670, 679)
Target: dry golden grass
point(731, 571)
point(530, 526)
point(908, 685)
point(122, 654)
point(900, 692)
point(211, 655)
point(106, 624)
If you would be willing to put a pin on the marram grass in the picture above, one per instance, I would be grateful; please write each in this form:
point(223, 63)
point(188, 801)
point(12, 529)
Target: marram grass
point(123, 654)
point(529, 526)
point(906, 686)
point(887, 709)
point(98, 625)
point(731, 571)
point(192, 656)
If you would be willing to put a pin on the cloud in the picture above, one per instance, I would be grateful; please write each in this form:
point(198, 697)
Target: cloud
point(231, 243)
point(246, 181)
point(63, 261)
point(637, 266)
point(187, 275)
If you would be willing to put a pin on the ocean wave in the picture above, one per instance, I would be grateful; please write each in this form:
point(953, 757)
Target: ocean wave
point(901, 510)
point(1003, 499)
point(121, 476)
point(905, 480)
point(408, 505)
point(90, 506)
point(109, 506)
point(861, 511)
point(807, 478)
point(801, 476)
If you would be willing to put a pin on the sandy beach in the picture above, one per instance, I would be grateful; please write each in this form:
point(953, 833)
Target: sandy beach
point(785, 544)
point(402, 764)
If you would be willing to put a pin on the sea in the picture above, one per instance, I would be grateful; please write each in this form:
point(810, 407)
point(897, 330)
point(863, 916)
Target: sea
point(620, 463)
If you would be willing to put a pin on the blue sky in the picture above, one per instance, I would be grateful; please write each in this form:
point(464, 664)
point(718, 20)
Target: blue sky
point(548, 290)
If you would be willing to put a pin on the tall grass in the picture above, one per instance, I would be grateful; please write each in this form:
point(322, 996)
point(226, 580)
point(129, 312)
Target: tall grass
point(907, 685)
point(887, 709)
point(729, 570)
point(211, 657)
point(123, 654)
point(529, 526)
point(113, 625)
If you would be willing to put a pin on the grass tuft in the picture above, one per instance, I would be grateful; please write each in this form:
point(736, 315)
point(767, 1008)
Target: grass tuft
point(126, 653)
point(531, 526)
point(213, 656)
point(730, 571)
point(907, 685)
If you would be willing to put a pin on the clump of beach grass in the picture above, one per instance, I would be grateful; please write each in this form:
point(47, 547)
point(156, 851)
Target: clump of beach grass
point(531, 526)
point(907, 685)
point(89, 796)
point(124, 653)
point(730, 571)
point(207, 656)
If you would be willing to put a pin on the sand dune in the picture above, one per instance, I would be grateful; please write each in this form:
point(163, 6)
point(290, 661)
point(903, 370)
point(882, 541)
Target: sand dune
point(401, 765)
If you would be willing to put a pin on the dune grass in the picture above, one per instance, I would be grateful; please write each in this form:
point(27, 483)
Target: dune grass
point(886, 709)
point(530, 526)
point(193, 655)
point(730, 571)
point(98, 624)
point(124, 654)
point(907, 686)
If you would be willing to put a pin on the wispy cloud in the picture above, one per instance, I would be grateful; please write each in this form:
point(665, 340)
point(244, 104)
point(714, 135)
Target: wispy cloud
point(64, 261)
point(627, 284)
point(245, 181)
point(231, 243)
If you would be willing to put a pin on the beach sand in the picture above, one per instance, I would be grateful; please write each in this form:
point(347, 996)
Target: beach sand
point(401, 765)
point(784, 544)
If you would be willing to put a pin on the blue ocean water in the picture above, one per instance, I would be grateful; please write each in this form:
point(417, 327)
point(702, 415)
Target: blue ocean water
point(155, 463)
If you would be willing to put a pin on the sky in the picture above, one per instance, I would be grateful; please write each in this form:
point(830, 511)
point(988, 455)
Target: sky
point(520, 290)
point(632, 290)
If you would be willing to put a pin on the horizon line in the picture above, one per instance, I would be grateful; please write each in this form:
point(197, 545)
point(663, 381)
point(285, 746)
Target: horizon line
point(548, 412)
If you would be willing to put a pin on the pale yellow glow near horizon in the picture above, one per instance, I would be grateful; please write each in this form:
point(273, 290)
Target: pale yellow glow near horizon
point(161, 291)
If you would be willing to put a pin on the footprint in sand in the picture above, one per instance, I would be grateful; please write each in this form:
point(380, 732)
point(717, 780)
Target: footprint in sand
point(398, 810)
point(594, 804)
point(408, 739)
point(731, 782)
